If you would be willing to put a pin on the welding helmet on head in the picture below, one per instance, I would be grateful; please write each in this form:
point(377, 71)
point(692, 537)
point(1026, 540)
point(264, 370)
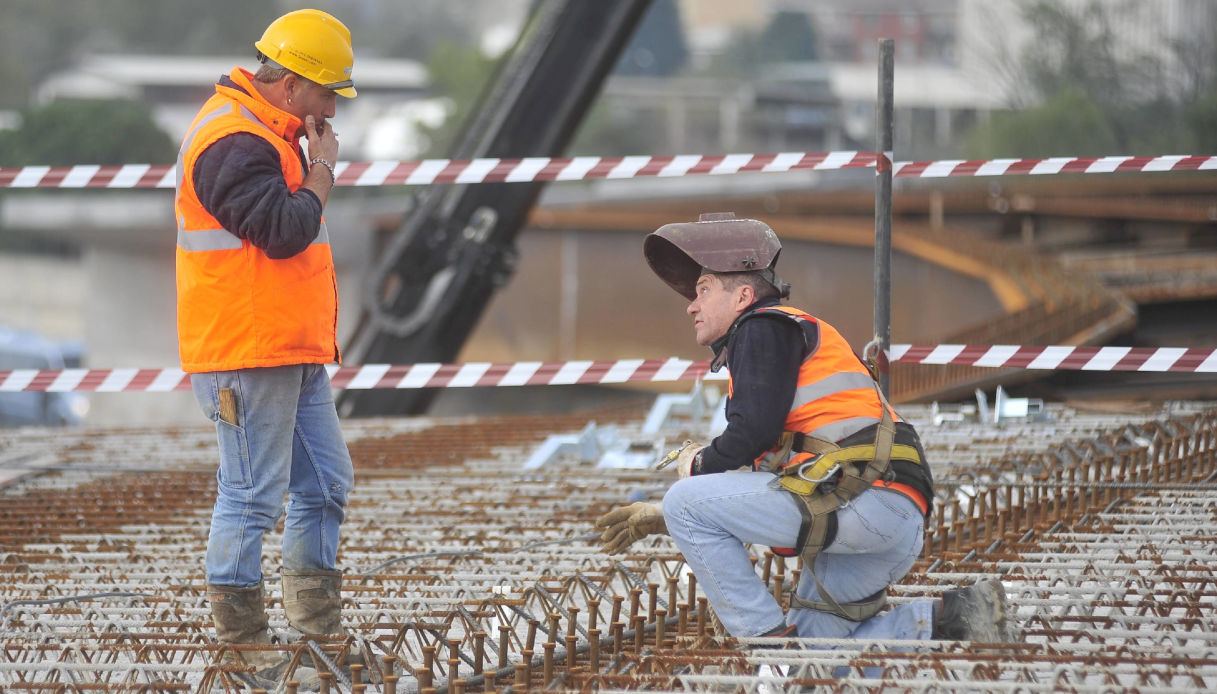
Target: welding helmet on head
point(312, 44)
point(717, 242)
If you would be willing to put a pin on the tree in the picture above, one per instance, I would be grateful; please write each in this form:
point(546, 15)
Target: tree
point(411, 29)
point(1093, 95)
point(459, 73)
point(39, 37)
point(657, 47)
point(177, 27)
point(104, 132)
point(616, 131)
point(1201, 119)
point(1070, 122)
point(789, 36)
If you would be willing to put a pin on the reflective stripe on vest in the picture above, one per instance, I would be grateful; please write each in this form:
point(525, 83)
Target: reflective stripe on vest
point(237, 307)
point(835, 395)
point(218, 239)
point(198, 240)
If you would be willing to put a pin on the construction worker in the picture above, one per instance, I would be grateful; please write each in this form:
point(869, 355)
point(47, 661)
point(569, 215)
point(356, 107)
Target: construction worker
point(829, 471)
point(257, 311)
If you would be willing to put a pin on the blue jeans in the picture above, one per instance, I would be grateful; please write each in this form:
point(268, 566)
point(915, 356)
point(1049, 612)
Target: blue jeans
point(879, 536)
point(286, 441)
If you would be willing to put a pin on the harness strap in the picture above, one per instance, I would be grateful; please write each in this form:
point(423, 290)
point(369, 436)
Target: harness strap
point(856, 611)
point(805, 478)
point(812, 444)
point(851, 483)
point(854, 480)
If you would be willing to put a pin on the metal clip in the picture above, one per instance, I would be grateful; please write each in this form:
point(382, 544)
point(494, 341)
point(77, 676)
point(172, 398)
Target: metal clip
point(816, 480)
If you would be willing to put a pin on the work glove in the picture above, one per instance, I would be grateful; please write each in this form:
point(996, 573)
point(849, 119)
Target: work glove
point(686, 458)
point(625, 525)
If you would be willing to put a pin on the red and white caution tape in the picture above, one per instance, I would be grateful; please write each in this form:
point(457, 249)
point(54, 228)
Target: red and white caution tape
point(382, 376)
point(490, 170)
point(483, 374)
point(1052, 165)
point(1058, 357)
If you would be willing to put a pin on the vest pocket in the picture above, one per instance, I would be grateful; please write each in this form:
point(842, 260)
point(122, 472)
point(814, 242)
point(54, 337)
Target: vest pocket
point(235, 470)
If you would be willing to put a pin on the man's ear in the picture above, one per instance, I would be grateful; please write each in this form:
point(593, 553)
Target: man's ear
point(744, 296)
point(289, 83)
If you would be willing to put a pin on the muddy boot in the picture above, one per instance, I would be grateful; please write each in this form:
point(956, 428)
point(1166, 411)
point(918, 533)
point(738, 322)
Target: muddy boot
point(240, 618)
point(976, 613)
point(312, 601)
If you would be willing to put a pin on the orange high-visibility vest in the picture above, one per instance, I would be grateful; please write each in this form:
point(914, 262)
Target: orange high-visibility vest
point(835, 395)
point(236, 307)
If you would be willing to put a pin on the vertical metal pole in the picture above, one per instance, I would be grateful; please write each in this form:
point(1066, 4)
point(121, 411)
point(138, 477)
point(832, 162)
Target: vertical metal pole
point(883, 211)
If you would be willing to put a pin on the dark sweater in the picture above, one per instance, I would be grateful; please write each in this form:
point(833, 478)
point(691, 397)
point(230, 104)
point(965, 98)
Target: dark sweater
point(764, 353)
point(239, 181)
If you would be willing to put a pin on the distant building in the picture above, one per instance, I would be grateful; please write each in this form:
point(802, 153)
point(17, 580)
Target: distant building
point(819, 105)
point(176, 86)
point(924, 31)
point(957, 62)
point(848, 30)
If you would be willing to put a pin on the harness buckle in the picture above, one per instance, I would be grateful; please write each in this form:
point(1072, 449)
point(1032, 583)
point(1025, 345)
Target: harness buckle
point(817, 473)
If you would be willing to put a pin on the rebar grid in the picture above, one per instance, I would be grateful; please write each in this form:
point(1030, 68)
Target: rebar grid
point(468, 573)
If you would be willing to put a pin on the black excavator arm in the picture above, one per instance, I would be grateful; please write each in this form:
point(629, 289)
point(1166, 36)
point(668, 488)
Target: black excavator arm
point(456, 245)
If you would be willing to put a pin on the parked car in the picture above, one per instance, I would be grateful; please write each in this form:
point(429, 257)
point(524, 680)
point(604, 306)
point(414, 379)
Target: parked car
point(25, 350)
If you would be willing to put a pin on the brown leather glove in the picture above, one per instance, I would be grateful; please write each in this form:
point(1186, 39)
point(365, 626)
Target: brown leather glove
point(687, 458)
point(626, 525)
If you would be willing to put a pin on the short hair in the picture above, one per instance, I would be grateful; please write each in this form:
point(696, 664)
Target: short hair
point(269, 74)
point(761, 287)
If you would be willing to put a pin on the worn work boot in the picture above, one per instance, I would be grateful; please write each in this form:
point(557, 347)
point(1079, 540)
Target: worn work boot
point(976, 613)
point(779, 635)
point(784, 631)
point(240, 618)
point(312, 601)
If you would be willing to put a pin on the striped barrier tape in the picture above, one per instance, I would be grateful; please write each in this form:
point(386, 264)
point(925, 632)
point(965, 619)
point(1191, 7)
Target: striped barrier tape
point(487, 170)
point(491, 170)
point(482, 374)
point(1052, 165)
point(1061, 357)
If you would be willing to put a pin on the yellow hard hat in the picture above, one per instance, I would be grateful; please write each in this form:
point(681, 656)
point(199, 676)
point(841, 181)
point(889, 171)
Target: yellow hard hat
point(312, 44)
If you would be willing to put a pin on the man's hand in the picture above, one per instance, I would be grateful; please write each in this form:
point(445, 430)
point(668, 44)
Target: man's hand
point(322, 141)
point(687, 457)
point(323, 145)
point(626, 525)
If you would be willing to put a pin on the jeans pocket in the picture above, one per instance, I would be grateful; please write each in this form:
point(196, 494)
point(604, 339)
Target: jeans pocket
point(235, 470)
point(892, 502)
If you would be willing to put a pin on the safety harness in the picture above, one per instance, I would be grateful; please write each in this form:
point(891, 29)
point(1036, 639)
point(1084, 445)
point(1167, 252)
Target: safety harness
point(830, 478)
point(827, 482)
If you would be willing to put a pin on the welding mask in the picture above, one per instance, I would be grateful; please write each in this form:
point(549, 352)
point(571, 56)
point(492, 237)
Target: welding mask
point(717, 242)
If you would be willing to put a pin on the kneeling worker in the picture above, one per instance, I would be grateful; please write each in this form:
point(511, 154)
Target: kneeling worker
point(832, 474)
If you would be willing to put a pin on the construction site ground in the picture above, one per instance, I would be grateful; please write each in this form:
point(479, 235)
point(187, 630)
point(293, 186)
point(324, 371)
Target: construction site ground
point(471, 564)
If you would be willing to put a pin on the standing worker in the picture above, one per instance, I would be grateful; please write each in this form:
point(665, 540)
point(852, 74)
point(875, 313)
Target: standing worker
point(832, 474)
point(257, 313)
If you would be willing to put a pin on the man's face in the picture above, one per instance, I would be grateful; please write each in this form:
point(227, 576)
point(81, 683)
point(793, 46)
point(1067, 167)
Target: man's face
point(312, 99)
point(716, 308)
